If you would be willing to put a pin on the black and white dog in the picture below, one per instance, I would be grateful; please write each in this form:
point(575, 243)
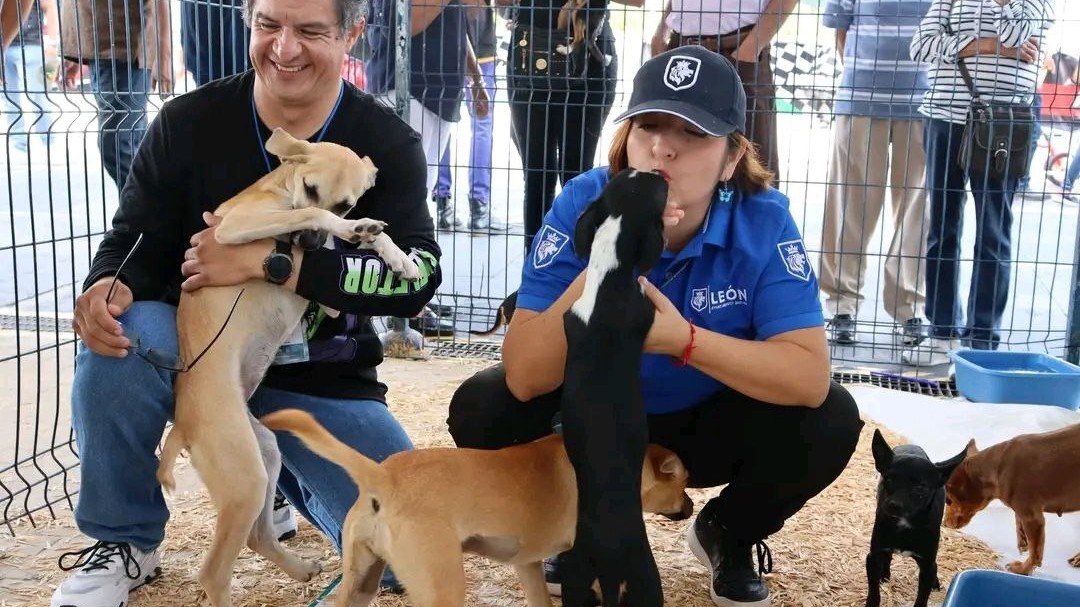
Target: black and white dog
point(603, 417)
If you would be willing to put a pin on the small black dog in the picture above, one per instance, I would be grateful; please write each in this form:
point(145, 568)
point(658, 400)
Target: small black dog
point(910, 505)
point(603, 416)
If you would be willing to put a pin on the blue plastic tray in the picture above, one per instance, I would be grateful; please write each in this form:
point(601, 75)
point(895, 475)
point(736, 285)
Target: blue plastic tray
point(987, 588)
point(996, 376)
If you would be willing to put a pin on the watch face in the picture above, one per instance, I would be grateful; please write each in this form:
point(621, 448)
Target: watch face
point(278, 267)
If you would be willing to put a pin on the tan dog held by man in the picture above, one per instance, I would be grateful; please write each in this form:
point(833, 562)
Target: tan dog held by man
point(1032, 474)
point(307, 196)
point(420, 510)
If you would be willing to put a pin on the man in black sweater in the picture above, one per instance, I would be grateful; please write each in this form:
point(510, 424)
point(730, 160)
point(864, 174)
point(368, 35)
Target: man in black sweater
point(203, 148)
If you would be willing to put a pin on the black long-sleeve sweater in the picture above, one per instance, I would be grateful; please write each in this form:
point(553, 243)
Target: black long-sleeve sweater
point(205, 147)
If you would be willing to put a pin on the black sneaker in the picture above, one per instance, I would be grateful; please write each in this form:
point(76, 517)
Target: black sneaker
point(912, 332)
point(735, 583)
point(431, 324)
point(842, 327)
point(553, 577)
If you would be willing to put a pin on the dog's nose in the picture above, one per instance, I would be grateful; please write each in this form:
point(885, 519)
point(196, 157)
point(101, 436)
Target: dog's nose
point(685, 511)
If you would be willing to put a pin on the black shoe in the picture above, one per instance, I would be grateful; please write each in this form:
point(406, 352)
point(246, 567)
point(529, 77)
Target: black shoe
point(441, 310)
point(480, 217)
point(735, 583)
point(444, 213)
point(842, 327)
point(912, 332)
point(430, 325)
point(553, 577)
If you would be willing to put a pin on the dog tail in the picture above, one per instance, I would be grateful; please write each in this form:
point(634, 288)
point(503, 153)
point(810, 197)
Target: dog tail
point(174, 443)
point(500, 320)
point(503, 315)
point(364, 471)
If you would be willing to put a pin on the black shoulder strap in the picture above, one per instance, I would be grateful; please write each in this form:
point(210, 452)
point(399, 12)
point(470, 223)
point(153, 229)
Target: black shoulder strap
point(964, 73)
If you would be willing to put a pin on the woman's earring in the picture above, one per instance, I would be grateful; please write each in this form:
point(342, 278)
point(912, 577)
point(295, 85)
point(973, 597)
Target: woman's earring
point(725, 193)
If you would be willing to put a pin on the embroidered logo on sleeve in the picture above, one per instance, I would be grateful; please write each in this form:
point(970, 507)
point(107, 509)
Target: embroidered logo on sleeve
point(793, 253)
point(549, 243)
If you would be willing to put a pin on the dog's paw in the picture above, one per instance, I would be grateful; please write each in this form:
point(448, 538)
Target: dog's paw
point(1019, 567)
point(364, 231)
point(1075, 561)
point(305, 570)
point(400, 263)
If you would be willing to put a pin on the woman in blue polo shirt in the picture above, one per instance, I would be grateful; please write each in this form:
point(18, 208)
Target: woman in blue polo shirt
point(751, 405)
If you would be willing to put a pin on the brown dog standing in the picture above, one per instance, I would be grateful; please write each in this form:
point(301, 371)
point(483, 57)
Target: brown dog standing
point(237, 458)
point(420, 510)
point(1032, 474)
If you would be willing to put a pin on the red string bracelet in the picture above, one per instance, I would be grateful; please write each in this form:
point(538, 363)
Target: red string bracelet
point(689, 348)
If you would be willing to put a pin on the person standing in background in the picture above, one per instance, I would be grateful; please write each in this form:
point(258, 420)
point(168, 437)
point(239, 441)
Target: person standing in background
point(128, 46)
point(877, 141)
point(742, 31)
point(214, 38)
point(999, 43)
point(480, 29)
point(24, 76)
point(557, 116)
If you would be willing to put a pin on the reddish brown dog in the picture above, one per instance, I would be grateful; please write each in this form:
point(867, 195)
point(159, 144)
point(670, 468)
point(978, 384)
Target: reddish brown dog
point(1032, 474)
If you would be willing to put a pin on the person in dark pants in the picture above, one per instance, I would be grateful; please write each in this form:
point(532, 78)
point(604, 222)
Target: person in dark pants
point(128, 46)
point(735, 374)
point(1001, 55)
point(743, 37)
point(556, 120)
point(214, 38)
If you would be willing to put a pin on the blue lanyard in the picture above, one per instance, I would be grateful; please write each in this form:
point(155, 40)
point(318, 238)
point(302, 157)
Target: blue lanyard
point(322, 131)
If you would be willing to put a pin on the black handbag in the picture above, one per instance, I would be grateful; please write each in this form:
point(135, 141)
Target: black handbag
point(997, 136)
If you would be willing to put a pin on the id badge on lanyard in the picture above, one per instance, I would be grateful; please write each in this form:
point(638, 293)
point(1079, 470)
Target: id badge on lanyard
point(295, 347)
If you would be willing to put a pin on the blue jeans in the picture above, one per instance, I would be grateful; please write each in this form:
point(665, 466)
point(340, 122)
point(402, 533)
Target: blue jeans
point(1036, 133)
point(1073, 172)
point(947, 183)
point(480, 152)
point(121, 90)
point(119, 410)
point(24, 79)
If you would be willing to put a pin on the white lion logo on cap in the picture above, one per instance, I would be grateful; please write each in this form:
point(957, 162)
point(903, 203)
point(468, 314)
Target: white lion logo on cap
point(681, 72)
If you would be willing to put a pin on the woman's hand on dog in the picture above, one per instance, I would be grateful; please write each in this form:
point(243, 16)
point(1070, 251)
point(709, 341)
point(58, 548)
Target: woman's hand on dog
point(208, 263)
point(95, 320)
point(673, 214)
point(670, 332)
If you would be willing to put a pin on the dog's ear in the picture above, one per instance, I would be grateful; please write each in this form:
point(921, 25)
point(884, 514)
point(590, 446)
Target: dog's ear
point(883, 453)
point(650, 247)
point(971, 449)
point(586, 227)
point(286, 147)
point(946, 467)
point(671, 465)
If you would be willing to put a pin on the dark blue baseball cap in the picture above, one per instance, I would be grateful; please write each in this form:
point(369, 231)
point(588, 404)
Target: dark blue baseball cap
point(693, 83)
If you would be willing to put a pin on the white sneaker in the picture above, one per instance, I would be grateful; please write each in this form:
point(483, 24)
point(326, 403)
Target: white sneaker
point(284, 518)
point(930, 353)
point(108, 572)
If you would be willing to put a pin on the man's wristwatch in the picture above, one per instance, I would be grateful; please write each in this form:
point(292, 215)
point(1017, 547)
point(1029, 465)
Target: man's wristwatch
point(278, 265)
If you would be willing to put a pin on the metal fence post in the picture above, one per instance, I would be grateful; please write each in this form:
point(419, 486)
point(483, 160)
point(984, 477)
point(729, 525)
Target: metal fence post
point(401, 57)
